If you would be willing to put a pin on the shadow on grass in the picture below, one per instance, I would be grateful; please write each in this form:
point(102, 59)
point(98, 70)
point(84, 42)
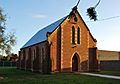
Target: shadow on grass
point(15, 76)
point(114, 73)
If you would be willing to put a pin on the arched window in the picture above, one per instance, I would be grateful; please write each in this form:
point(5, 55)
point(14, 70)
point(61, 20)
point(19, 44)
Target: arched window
point(78, 35)
point(73, 35)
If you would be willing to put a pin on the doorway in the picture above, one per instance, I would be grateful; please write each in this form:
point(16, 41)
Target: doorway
point(75, 62)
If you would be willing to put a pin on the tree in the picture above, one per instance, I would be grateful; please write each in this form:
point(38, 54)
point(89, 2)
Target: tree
point(6, 40)
point(90, 11)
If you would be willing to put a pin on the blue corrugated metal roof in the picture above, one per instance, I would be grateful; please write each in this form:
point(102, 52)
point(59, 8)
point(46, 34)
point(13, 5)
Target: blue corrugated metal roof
point(41, 35)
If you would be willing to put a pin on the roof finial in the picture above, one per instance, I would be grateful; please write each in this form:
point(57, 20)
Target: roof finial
point(75, 7)
point(78, 2)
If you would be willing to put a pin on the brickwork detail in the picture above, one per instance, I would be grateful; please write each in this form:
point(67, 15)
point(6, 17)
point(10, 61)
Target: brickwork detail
point(57, 52)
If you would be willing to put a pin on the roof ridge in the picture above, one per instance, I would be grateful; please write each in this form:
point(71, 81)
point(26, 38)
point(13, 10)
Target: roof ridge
point(51, 24)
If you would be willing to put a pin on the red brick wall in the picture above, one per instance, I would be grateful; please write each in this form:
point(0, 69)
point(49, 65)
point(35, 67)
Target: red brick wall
point(59, 50)
point(68, 49)
point(55, 49)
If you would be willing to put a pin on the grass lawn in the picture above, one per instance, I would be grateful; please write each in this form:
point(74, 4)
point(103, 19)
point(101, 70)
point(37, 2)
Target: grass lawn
point(14, 76)
point(114, 73)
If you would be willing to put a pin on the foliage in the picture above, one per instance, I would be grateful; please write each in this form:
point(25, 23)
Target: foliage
point(11, 57)
point(3, 58)
point(92, 13)
point(15, 76)
point(6, 40)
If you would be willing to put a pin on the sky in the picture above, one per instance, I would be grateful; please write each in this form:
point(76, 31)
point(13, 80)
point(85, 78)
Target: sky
point(26, 17)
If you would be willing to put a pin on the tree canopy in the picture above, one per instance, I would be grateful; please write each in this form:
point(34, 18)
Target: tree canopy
point(6, 40)
point(92, 13)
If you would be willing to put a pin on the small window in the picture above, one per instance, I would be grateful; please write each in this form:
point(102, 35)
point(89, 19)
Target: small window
point(73, 35)
point(78, 35)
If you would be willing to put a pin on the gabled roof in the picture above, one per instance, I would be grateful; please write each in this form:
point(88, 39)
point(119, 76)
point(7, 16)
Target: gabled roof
point(41, 35)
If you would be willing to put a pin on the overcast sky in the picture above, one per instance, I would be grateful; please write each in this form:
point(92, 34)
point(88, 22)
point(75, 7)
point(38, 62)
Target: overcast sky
point(26, 17)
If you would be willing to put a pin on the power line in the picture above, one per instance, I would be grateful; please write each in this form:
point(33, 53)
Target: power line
point(109, 18)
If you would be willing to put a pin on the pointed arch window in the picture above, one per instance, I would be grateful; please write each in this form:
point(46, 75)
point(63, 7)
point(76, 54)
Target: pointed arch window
point(78, 35)
point(73, 35)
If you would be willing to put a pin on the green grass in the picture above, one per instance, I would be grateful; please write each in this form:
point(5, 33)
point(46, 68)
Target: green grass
point(114, 73)
point(15, 76)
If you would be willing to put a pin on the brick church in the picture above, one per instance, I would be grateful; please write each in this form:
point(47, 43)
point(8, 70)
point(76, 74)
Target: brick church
point(66, 45)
